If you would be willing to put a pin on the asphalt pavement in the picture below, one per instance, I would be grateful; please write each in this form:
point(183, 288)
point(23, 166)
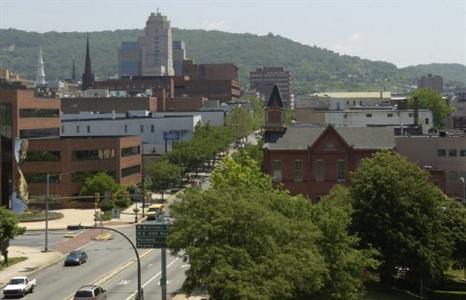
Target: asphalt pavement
point(37, 238)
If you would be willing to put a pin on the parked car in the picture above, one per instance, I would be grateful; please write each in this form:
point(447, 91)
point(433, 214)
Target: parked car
point(75, 258)
point(90, 292)
point(19, 286)
point(153, 211)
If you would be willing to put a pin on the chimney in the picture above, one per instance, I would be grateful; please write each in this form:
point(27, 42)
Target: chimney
point(416, 110)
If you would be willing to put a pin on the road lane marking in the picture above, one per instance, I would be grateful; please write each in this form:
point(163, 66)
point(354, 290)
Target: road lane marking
point(152, 279)
point(109, 275)
point(185, 266)
point(123, 282)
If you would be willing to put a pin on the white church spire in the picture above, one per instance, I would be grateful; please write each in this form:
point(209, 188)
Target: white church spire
point(40, 78)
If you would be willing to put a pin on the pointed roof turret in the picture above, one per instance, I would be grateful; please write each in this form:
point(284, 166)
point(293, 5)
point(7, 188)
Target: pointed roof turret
point(275, 112)
point(88, 76)
point(275, 97)
point(40, 77)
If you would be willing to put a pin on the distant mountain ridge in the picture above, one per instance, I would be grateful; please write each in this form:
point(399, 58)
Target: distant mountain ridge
point(313, 68)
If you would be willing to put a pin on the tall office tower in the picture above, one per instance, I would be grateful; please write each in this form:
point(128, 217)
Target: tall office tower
point(179, 55)
point(129, 59)
point(264, 79)
point(434, 82)
point(40, 77)
point(156, 46)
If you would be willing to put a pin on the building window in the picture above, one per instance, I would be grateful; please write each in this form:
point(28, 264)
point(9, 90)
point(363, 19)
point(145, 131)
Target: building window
point(126, 128)
point(276, 170)
point(63, 129)
point(463, 152)
point(389, 115)
point(453, 175)
point(341, 170)
point(152, 128)
point(427, 121)
point(368, 115)
point(130, 171)
point(410, 115)
point(320, 170)
point(441, 152)
point(43, 156)
point(88, 129)
point(38, 113)
point(129, 151)
point(37, 133)
point(42, 178)
point(77, 128)
point(141, 128)
point(298, 171)
point(94, 154)
point(452, 152)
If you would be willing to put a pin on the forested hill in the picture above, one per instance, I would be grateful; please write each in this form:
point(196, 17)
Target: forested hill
point(313, 68)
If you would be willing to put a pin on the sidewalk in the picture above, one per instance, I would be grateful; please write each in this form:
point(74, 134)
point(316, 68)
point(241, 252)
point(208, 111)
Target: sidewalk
point(36, 261)
point(80, 216)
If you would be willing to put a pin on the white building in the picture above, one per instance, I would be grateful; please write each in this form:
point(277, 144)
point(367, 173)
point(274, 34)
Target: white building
point(361, 117)
point(212, 117)
point(152, 130)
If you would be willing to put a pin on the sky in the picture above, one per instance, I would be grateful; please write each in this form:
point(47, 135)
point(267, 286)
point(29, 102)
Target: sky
point(403, 32)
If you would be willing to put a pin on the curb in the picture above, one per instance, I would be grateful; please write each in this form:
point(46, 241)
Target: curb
point(54, 262)
point(113, 273)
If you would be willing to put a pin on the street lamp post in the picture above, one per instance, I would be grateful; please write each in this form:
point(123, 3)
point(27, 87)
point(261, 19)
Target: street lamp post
point(47, 194)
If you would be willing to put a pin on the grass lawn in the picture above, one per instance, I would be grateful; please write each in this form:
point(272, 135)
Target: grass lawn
point(12, 261)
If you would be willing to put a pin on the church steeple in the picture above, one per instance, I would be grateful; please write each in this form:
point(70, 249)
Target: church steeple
point(275, 112)
point(73, 72)
point(88, 76)
point(40, 77)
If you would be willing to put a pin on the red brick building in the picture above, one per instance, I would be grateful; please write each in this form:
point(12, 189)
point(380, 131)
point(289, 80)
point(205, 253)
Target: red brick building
point(69, 160)
point(311, 160)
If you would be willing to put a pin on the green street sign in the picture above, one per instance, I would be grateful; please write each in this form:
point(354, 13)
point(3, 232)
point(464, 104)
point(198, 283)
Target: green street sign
point(151, 235)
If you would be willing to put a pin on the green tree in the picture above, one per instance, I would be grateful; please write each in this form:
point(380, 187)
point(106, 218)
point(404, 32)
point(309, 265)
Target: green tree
point(9, 229)
point(399, 212)
point(240, 122)
point(346, 264)
point(258, 112)
point(101, 183)
point(246, 240)
point(430, 99)
point(164, 175)
point(454, 224)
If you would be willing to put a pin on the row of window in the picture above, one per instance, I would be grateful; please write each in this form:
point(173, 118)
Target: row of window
point(37, 133)
point(125, 128)
point(94, 154)
point(43, 156)
point(38, 113)
point(298, 170)
point(451, 152)
point(77, 177)
point(129, 151)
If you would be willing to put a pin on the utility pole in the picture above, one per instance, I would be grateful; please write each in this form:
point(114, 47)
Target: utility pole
point(163, 275)
point(47, 193)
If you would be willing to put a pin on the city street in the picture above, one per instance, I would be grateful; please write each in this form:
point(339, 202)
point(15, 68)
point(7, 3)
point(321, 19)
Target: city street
point(59, 282)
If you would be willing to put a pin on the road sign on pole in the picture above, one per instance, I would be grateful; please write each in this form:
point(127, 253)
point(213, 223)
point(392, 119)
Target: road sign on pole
point(152, 235)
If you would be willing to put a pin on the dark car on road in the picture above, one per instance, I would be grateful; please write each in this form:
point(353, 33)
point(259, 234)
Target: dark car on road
point(90, 292)
point(75, 258)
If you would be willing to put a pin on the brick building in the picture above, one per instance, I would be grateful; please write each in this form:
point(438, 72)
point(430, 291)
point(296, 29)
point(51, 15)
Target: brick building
point(310, 160)
point(69, 160)
point(30, 126)
point(434, 82)
point(22, 116)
